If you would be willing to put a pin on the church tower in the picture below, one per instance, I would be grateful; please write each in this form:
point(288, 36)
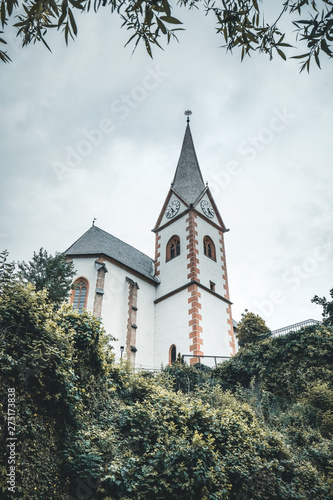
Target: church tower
point(177, 304)
point(192, 305)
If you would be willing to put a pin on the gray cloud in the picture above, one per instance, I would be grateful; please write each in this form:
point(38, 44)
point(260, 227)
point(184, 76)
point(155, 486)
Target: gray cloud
point(89, 131)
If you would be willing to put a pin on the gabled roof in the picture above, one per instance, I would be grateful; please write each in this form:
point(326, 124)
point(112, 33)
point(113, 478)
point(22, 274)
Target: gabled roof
point(188, 181)
point(95, 241)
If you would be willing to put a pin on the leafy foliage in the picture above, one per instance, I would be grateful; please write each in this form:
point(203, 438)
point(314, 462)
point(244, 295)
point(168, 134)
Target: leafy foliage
point(287, 381)
point(55, 274)
point(251, 329)
point(88, 428)
point(184, 378)
point(7, 272)
point(55, 380)
point(327, 308)
point(241, 23)
point(283, 365)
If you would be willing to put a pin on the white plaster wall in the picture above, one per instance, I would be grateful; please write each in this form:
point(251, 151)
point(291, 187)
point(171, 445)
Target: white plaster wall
point(85, 268)
point(146, 325)
point(214, 327)
point(209, 269)
point(171, 327)
point(115, 306)
point(173, 273)
point(115, 312)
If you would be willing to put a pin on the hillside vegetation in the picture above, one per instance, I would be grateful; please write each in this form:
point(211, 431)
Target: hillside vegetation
point(256, 427)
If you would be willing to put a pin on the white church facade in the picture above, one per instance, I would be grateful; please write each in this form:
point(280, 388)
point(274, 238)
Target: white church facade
point(177, 303)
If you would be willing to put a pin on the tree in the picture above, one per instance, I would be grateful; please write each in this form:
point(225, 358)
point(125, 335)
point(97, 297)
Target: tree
point(242, 24)
point(87, 428)
point(327, 308)
point(7, 271)
point(55, 363)
point(55, 274)
point(251, 329)
point(284, 364)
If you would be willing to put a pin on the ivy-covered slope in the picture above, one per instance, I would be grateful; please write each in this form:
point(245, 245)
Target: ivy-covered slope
point(87, 428)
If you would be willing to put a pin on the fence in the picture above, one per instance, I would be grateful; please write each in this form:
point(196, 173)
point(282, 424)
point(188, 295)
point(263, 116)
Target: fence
point(296, 326)
point(198, 358)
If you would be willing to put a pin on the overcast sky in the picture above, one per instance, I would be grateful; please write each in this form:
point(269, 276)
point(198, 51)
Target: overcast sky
point(92, 131)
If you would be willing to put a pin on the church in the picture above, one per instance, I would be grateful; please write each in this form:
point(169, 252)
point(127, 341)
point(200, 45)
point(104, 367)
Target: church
point(176, 303)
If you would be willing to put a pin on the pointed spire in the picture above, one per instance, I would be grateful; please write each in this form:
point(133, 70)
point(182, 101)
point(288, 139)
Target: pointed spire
point(188, 181)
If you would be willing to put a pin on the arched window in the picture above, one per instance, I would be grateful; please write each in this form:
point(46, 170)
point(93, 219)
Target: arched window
point(172, 354)
point(80, 294)
point(173, 248)
point(209, 248)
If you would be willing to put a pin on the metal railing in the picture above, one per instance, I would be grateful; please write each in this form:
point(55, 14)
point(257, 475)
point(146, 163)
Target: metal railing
point(192, 356)
point(296, 326)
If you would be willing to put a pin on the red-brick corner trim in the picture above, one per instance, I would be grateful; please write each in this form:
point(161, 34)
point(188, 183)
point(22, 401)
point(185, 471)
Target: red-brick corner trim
point(157, 254)
point(131, 320)
point(232, 344)
point(99, 289)
point(192, 239)
point(194, 299)
point(194, 323)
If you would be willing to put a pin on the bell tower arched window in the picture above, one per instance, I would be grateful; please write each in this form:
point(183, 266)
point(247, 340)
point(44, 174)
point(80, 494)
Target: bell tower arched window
point(173, 248)
point(209, 248)
point(80, 294)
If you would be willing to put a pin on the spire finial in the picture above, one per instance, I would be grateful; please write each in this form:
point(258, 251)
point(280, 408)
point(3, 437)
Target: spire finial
point(188, 114)
point(93, 223)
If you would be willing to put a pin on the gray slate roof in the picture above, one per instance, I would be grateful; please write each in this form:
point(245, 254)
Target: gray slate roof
point(95, 241)
point(188, 181)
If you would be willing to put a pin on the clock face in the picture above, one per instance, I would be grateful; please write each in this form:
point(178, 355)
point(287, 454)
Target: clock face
point(172, 209)
point(207, 209)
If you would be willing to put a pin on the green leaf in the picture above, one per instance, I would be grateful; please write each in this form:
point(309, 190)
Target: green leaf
point(4, 57)
point(170, 20)
point(3, 14)
point(161, 26)
point(148, 48)
point(167, 8)
point(281, 54)
point(62, 17)
point(255, 5)
point(301, 56)
point(10, 5)
point(325, 47)
point(72, 20)
point(329, 36)
point(149, 16)
point(317, 58)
